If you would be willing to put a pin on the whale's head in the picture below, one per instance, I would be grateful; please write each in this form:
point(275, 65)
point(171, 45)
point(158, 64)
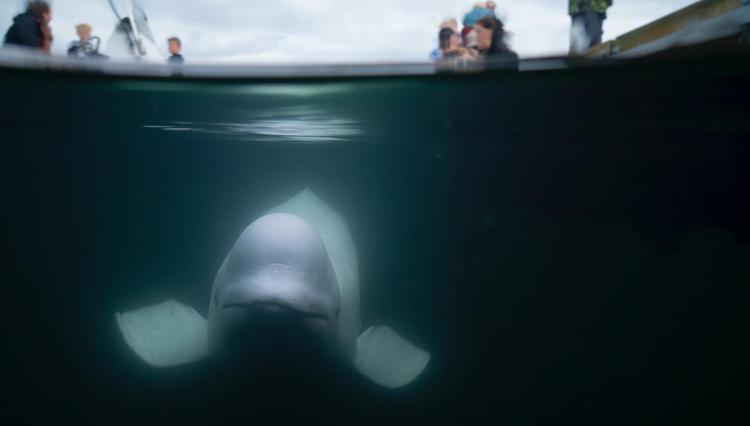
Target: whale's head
point(287, 295)
point(276, 294)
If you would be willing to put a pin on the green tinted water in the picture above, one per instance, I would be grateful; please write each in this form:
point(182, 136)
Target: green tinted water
point(569, 245)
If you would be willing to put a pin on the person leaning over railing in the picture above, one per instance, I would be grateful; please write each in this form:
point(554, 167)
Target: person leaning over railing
point(31, 28)
point(491, 41)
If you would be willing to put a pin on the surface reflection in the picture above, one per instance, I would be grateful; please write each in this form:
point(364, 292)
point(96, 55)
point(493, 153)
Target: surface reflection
point(301, 124)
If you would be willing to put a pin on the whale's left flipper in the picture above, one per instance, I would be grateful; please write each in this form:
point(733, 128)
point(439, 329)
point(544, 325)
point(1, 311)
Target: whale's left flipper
point(166, 334)
point(387, 358)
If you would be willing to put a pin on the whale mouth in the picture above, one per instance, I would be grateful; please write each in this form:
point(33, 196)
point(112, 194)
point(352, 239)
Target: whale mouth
point(270, 332)
point(274, 308)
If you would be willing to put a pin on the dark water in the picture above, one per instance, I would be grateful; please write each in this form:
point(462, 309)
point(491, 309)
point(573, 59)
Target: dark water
point(571, 246)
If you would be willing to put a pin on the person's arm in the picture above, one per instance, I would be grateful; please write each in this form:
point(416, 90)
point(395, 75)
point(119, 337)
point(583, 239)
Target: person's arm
point(73, 49)
point(46, 43)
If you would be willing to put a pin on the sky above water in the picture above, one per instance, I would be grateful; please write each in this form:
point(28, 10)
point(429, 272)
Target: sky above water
point(313, 31)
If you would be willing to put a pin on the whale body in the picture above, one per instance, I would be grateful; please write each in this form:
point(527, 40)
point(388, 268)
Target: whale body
point(289, 286)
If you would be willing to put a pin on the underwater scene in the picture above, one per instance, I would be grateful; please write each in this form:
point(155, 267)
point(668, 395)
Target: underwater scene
point(565, 245)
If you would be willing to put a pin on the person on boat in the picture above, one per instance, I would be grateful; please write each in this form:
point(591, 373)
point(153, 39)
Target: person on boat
point(453, 56)
point(175, 46)
point(450, 47)
point(491, 40)
point(452, 24)
point(479, 11)
point(587, 23)
point(86, 46)
point(31, 29)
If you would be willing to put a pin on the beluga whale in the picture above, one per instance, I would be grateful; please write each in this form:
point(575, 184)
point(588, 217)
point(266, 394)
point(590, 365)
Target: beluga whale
point(288, 290)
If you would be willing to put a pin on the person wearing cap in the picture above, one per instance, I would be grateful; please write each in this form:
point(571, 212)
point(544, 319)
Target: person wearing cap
point(587, 22)
point(449, 45)
point(451, 24)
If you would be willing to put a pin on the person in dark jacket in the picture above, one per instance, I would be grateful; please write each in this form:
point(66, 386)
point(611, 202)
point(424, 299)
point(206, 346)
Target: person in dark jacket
point(175, 46)
point(588, 20)
point(31, 28)
point(491, 40)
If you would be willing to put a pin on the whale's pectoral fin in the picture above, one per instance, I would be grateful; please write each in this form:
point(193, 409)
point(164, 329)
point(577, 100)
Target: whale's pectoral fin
point(387, 358)
point(166, 334)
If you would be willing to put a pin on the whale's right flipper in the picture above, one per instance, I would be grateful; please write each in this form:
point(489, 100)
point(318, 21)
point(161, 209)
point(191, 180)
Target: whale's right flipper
point(166, 334)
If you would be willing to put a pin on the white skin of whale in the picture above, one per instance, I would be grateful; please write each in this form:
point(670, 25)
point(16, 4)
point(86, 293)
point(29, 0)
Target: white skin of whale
point(299, 259)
